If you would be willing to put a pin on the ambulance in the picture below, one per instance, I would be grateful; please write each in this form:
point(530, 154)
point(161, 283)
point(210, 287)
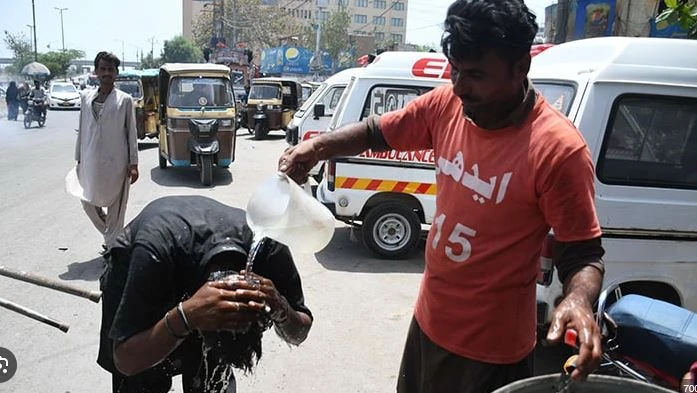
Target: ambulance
point(314, 115)
point(392, 193)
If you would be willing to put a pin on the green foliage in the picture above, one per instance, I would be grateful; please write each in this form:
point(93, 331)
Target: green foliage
point(680, 12)
point(334, 35)
point(181, 50)
point(59, 61)
point(149, 61)
point(22, 51)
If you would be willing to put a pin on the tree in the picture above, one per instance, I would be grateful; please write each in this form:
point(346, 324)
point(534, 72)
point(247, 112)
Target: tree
point(181, 50)
point(682, 13)
point(59, 61)
point(22, 51)
point(150, 62)
point(259, 26)
point(334, 35)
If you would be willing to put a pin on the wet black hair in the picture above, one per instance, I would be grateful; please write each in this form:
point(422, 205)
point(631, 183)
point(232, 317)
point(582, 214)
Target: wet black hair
point(108, 57)
point(473, 27)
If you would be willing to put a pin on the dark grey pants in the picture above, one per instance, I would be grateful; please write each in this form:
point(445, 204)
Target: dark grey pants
point(428, 368)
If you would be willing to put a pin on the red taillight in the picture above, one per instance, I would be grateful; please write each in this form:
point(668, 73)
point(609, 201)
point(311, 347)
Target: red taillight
point(546, 273)
point(330, 174)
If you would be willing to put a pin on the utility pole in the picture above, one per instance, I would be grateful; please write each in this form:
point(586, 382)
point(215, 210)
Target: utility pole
point(33, 15)
point(562, 21)
point(62, 33)
point(234, 23)
point(31, 34)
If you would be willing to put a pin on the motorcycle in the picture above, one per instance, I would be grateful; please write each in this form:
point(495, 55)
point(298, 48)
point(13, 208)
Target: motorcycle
point(36, 111)
point(644, 339)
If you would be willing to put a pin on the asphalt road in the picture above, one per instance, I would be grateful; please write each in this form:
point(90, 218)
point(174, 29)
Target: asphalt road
point(362, 305)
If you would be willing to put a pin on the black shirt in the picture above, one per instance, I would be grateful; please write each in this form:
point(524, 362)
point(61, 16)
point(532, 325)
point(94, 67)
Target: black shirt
point(160, 259)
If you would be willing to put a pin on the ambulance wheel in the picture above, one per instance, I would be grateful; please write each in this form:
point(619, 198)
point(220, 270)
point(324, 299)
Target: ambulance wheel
point(391, 230)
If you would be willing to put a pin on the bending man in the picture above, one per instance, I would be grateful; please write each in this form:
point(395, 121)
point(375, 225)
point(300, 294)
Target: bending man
point(161, 313)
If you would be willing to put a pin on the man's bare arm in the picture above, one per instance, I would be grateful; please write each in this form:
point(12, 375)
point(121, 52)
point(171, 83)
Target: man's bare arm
point(148, 347)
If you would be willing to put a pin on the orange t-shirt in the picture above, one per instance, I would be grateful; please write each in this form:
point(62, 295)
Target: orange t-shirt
point(498, 194)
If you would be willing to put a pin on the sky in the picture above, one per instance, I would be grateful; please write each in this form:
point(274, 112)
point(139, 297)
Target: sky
point(127, 26)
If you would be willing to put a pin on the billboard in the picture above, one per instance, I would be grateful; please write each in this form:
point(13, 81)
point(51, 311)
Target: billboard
point(594, 18)
point(291, 60)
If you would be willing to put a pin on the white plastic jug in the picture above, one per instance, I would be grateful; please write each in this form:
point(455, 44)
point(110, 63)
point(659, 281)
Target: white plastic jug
point(281, 210)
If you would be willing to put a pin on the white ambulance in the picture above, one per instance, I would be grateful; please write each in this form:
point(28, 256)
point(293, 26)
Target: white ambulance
point(392, 193)
point(314, 115)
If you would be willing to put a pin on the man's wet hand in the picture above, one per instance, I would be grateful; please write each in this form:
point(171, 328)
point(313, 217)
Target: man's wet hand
point(278, 306)
point(297, 161)
point(220, 305)
point(575, 313)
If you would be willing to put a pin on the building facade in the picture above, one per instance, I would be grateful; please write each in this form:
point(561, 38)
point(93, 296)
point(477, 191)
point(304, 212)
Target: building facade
point(191, 9)
point(383, 20)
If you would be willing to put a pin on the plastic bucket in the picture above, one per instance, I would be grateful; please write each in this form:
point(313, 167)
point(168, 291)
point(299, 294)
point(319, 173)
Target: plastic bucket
point(594, 384)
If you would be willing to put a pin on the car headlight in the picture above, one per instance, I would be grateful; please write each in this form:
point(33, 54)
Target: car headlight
point(226, 123)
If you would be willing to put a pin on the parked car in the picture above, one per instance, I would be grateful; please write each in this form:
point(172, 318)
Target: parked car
point(63, 95)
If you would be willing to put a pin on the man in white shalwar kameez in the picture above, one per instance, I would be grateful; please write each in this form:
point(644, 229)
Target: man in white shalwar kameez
point(106, 151)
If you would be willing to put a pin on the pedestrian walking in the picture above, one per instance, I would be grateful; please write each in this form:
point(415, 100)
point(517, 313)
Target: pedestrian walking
point(474, 324)
point(12, 100)
point(164, 315)
point(106, 151)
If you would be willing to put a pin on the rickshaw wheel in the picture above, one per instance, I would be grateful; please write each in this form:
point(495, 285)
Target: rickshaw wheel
point(163, 161)
point(206, 170)
point(259, 131)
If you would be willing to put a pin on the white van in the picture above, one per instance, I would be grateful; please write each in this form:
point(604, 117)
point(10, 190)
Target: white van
point(392, 193)
point(314, 115)
point(635, 102)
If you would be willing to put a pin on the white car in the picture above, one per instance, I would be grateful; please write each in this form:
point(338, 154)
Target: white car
point(63, 95)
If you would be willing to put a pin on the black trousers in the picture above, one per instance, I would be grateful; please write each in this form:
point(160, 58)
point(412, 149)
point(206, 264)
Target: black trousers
point(428, 368)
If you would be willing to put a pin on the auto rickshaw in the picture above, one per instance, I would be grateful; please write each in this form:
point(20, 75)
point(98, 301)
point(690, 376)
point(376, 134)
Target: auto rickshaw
point(197, 117)
point(129, 82)
point(308, 89)
point(149, 79)
point(271, 104)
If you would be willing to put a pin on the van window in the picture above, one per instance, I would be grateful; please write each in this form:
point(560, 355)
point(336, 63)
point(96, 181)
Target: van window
point(383, 99)
point(342, 103)
point(651, 141)
point(559, 95)
point(331, 99)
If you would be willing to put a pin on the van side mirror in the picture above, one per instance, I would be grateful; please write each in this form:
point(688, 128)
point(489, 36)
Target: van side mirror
point(318, 111)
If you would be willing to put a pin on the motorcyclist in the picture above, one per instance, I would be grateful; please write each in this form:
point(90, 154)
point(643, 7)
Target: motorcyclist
point(24, 92)
point(38, 96)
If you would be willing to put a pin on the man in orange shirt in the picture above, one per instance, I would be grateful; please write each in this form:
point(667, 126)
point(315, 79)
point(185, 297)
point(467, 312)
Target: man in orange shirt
point(509, 167)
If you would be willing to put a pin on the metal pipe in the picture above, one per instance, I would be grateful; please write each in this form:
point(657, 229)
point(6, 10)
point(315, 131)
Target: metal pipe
point(33, 315)
point(49, 283)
